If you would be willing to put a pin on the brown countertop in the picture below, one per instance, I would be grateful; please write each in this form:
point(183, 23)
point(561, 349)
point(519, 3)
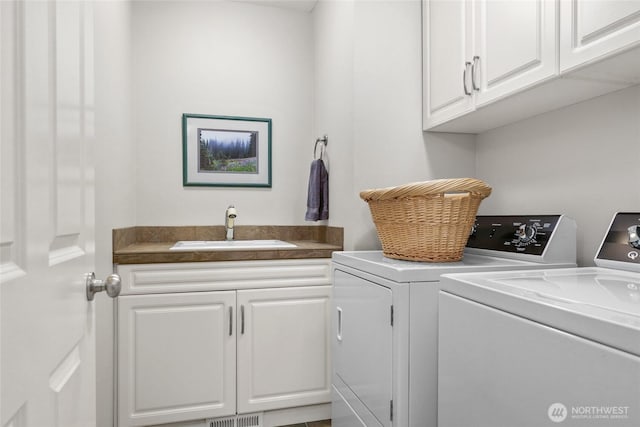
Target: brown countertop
point(148, 245)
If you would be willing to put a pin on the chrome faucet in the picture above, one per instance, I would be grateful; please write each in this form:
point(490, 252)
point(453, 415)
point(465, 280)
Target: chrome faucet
point(229, 219)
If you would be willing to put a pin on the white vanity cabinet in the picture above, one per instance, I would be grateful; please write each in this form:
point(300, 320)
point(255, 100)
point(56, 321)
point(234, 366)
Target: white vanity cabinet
point(214, 339)
point(176, 357)
point(476, 52)
point(283, 346)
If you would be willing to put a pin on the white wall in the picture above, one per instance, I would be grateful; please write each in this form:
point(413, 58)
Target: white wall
point(368, 99)
point(333, 107)
point(220, 58)
point(115, 177)
point(581, 161)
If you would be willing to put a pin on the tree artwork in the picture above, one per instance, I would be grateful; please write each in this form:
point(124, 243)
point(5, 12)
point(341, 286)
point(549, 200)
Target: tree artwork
point(228, 151)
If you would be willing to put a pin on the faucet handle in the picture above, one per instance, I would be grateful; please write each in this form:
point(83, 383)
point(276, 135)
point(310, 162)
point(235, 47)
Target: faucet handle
point(229, 220)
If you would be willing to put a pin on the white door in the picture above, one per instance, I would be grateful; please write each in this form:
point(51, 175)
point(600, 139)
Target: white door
point(592, 30)
point(283, 348)
point(516, 47)
point(447, 52)
point(46, 237)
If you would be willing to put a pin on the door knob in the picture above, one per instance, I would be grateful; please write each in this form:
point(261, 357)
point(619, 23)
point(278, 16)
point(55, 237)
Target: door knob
point(112, 285)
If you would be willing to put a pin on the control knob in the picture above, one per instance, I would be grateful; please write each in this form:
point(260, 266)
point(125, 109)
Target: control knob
point(634, 238)
point(526, 233)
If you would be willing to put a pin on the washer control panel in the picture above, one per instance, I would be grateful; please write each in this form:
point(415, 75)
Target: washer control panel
point(621, 244)
point(517, 234)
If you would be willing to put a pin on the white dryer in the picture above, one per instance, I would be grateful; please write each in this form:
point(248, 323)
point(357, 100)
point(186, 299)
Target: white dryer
point(385, 315)
point(546, 347)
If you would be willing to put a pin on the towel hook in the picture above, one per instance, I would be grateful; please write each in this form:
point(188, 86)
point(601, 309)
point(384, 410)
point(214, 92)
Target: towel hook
point(325, 141)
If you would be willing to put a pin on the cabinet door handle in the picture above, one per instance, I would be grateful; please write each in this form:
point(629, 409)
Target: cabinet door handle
point(242, 319)
point(339, 331)
point(474, 67)
point(230, 321)
point(467, 64)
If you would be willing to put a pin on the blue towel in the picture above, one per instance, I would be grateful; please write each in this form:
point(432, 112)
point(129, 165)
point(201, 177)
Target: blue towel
point(318, 192)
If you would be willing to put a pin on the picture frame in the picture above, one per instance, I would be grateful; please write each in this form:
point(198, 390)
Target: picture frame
point(226, 151)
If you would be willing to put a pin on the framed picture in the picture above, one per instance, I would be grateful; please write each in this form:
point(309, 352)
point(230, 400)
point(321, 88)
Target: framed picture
point(223, 151)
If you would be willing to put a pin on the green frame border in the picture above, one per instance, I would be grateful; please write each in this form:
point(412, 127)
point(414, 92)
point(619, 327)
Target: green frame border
point(186, 116)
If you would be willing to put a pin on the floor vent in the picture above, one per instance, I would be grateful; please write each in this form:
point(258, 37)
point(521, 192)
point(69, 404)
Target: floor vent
point(246, 420)
point(249, 420)
point(222, 422)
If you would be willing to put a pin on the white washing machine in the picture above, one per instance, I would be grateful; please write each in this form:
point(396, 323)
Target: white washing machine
point(546, 347)
point(385, 315)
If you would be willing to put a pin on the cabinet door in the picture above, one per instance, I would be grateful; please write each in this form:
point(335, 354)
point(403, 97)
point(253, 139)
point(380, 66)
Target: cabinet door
point(591, 30)
point(176, 357)
point(516, 46)
point(283, 348)
point(447, 46)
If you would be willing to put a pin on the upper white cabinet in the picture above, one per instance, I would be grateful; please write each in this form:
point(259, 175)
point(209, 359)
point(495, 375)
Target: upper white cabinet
point(515, 47)
point(448, 41)
point(488, 63)
point(592, 30)
point(476, 52)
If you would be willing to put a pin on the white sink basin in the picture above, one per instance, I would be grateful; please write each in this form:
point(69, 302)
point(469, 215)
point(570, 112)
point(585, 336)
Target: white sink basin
point(221, 245)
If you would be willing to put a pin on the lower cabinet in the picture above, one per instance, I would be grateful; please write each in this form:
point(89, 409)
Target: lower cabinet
point(197, 355)
point(283, 347)
point(176, 357)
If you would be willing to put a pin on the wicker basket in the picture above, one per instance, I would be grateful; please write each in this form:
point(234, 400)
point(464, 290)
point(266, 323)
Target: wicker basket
point(426, 221)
